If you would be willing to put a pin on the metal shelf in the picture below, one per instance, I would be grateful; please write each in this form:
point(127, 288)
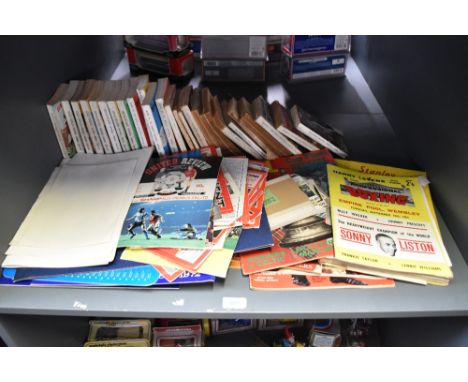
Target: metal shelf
point(349, 105)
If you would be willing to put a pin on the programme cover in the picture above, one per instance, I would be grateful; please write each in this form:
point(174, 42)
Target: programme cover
point(172, 204)
point(385, 223)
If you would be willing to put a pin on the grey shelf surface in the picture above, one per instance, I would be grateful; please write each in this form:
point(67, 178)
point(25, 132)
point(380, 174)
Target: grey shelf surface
point(232, 298)
point(349, 105)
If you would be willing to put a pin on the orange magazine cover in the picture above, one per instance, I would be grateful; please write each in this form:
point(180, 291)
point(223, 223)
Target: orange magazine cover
point(273, 281)
point(280, 256)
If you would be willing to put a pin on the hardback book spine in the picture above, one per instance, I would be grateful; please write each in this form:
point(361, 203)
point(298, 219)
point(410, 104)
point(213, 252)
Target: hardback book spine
point(70, 118)
point(101, 129)
point(152, 129)
point(88, 146)
point(137, 120)
point(93, 134)
point(118, 124)
point(167, 126)
point(57, 130)
point(111, 130)
point(127, 122)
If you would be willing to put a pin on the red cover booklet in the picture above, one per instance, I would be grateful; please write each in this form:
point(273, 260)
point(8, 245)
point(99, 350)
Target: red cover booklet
point(280, 257)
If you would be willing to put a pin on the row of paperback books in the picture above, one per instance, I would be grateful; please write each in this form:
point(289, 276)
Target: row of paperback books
point(116, 116)
point(262, 332)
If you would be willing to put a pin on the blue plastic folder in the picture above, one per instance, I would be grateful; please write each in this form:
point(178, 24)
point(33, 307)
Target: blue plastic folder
point(144, 275)
point(36, 273)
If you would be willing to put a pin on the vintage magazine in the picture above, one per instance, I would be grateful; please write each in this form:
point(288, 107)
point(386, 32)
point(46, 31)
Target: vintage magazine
point(274, 282)
point(377, 169)
point(385, 223)
point(280, 256)
point(172, 204)
point(309, 171)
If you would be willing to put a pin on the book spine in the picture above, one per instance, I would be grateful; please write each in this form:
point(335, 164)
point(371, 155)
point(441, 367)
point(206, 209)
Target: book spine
point(167, 126)
point(320, 140)
point(160, 128)
point(118, 124)
point(188, 130)
point(175, 129)
point(152, 129)
point(60, 140)
point(88, 146)
point(138, 122)
point(194, 127)
point(93, 134)
point(260, 152)
point(73, 126)
point(297, 138)
point(101, 129)
point(132, 125)
point(138, 101)
point(275, 134)
point(239, 142)
point(127, 124)
point(110, 126)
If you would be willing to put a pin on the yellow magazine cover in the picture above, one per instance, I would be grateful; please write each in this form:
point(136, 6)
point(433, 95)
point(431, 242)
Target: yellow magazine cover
point(385, 222)
point(378, 169)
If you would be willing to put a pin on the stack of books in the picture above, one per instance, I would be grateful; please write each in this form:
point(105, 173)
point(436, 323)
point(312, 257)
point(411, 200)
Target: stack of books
point(117, 116)
point(313, 57)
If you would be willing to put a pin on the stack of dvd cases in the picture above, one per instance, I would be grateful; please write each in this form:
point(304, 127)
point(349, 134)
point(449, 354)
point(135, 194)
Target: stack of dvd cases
point(161, 56)
point(233, 58)
point(314, 57)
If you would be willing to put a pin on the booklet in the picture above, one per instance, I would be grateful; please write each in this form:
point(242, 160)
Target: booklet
point(385, 223)
point(172, 205)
